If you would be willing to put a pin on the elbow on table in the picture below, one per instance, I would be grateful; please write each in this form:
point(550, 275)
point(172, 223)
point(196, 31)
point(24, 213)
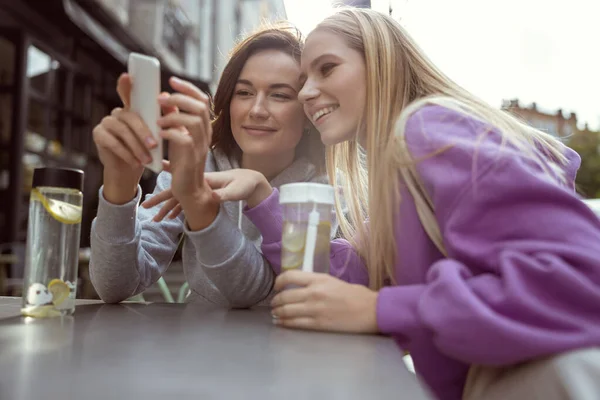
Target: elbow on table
point(110, 297)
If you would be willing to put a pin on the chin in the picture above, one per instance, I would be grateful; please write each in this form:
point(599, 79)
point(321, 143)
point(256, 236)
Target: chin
point(329, 138)
point(261, 150)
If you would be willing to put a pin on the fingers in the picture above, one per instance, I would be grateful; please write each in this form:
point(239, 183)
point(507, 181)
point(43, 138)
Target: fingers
point(224, 186)
point(295, 277)
point(306, 323)
point(126, 138)
point(184, 103)
point(167, 109)
point(141, 131)
point(187, 88)
point(177, 136)
point(227, 194)
point(124, 90)
point(176, 211)
point(294, 310)
point(107, 140)
point(192, 100)
point(217, 179)
point(158, 198)
point(165, 209)
point(174, 120)
point(290, 296)
point(171, 207)
point(193, 114)
point(166, 165)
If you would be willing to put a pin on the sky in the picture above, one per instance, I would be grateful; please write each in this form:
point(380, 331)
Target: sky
point(542, 51)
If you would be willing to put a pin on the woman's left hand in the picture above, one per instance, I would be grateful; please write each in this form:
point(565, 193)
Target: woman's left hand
point(324, 303)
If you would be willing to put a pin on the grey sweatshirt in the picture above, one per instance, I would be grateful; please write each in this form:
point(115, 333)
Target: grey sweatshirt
point(222, 263)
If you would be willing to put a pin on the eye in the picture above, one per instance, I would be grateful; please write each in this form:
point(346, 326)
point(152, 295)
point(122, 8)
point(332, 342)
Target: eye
point(243, 92)
point(327, 68)
point(281, 96)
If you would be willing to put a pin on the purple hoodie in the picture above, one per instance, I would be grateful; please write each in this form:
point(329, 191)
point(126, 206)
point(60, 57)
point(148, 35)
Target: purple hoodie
point(522, 277)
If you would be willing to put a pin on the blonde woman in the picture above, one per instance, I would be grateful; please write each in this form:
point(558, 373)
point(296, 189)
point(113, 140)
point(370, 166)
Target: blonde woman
point(478, 257)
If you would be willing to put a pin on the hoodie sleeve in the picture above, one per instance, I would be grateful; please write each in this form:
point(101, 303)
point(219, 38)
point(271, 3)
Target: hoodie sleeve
point(129, 251)
point(522, 277)
point(344, 263)
point(229, 262)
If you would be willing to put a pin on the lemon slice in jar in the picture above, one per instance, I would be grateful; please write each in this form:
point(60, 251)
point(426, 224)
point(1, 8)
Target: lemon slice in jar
point(40, 311)
point(292, 260)
point(59, 210)
point(294, 237)
point(60, 291)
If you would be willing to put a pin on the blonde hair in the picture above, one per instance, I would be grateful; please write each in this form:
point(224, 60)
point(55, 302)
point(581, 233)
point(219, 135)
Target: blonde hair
point(400, 79)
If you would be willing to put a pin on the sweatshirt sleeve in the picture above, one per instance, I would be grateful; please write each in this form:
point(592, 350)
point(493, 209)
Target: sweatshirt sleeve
point(522, 277)
point(344, 264)
point(230, 263)
point(129, 251)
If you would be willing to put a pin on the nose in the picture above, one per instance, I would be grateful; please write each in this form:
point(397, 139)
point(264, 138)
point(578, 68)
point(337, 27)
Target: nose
point(308, 92)
point(259, 109)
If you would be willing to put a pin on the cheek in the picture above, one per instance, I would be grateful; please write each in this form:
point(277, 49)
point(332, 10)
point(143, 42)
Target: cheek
point(236, 112)
point(292, 120)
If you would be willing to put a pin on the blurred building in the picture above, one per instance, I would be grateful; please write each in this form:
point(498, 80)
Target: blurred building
point(59, 62)
point(355, 3)
point(552, 122)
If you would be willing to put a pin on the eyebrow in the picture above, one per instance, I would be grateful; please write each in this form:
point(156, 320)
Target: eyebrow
point(272, 86)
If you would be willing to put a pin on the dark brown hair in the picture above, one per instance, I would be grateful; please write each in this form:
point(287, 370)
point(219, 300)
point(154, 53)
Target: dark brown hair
point(282, 36)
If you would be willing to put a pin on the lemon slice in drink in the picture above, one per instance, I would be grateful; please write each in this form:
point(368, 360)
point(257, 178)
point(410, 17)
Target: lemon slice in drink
point(40, 311)
point(59, 210)
point(293, 238)
point(292, 260)
point(60, 291)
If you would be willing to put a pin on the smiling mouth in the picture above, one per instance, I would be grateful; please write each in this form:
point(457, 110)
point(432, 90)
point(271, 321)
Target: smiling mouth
point(258, 131)
point(323, 112)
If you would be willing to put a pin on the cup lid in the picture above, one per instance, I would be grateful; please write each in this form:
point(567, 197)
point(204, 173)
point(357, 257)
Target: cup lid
point(306, 192)
point(68, 178)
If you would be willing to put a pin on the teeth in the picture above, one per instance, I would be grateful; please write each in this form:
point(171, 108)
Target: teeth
point(323, 111)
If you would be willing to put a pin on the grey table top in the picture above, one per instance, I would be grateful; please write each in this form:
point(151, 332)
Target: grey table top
point(189, 351)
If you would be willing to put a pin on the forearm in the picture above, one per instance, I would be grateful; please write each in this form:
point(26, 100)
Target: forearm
point(113, 268)
point(129, 250)
point(114, 249)
point(231, 262)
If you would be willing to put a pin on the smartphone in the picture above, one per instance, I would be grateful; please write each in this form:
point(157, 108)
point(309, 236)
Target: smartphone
point(145, 88)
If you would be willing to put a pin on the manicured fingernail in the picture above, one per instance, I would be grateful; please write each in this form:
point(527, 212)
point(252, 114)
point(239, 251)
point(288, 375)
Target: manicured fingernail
point(176, 79)
point(150, 142)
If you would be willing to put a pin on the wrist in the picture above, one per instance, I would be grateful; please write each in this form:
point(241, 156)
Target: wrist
point(119, 191)
point(200, 210)
point(372, 324)
point(262, 190)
